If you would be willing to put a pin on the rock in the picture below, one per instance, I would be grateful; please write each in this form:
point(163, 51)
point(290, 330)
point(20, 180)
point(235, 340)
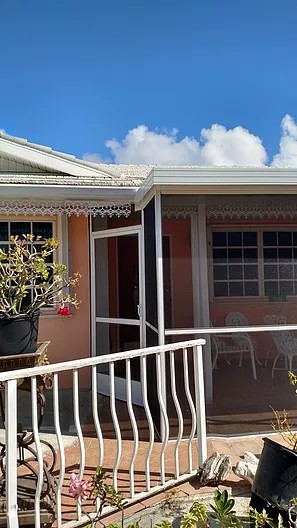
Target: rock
point(251, 458)
point(215, 469)
point(246, 468)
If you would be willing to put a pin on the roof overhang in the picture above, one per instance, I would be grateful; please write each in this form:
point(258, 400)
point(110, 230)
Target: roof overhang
point(65, 200)
point(219, 180)
point(24, 151)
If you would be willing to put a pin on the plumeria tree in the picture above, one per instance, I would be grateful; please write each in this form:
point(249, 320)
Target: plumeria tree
point(101, 493)
point(30, 278)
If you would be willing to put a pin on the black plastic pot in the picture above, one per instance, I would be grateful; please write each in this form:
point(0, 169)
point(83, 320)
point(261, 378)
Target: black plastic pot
point(276, 477)
point(18, 334)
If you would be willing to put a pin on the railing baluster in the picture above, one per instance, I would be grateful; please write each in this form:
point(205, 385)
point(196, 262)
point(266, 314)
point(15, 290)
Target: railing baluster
point(192, 409)
point(116, 425)
point(82, 454)
point(178, 412)
point(60, 448)
point(134, 426)
point(96, 417)
point(39, 483)
point(143, 367)
point(97, 423)
point(163, 417)
point(200, 404)
point(11, 452)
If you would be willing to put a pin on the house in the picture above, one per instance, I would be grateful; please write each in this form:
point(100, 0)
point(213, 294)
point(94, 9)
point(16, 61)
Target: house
point(163, 251)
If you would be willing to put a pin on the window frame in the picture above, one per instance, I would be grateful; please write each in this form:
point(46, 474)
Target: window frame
point(259, 229)
point(58, 233)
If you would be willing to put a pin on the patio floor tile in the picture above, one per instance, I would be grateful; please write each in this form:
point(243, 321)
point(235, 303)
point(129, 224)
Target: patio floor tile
point(235, 447)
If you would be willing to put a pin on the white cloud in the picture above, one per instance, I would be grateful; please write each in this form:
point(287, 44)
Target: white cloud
point(94, 158)
point(287, 156)
point(216, 146)
point(236, 146)
point(142, 146)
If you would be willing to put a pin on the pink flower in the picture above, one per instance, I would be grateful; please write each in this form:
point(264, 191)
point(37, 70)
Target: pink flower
point(78, 489)
point(64, 310)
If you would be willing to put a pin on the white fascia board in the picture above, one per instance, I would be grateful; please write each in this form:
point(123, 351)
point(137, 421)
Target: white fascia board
point(227, 189)
point(63, 192)
point(213, 180)
point(225, 176)
point(49, 159)
point(145, 187)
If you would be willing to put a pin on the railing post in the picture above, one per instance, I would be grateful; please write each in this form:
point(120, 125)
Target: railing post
point(11, 452)
point(200, 403)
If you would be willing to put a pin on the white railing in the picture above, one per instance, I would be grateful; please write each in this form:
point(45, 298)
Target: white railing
point(150, 465)
point(229, 330)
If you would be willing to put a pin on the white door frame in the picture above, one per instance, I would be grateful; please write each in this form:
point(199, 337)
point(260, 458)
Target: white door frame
point(103, 381)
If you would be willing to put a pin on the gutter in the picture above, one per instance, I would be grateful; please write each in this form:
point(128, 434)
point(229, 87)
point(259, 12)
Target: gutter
point(66, 192)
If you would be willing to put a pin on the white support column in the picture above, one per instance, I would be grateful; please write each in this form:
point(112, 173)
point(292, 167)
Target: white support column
point(142, 306)
point(195, 270)
point(200, 289)
point(160, 304)
point(159, 267)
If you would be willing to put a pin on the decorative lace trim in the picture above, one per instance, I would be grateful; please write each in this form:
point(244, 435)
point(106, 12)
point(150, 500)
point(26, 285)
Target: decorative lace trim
point(272, 209)
point(78, 208)
point(261, 210)
point(178, 211)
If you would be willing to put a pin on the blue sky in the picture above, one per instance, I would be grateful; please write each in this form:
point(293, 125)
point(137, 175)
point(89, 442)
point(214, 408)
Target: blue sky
point(75, 74)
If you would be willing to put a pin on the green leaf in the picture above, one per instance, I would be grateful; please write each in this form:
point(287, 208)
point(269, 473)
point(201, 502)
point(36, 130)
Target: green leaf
point(164, 524)
point(224, 496)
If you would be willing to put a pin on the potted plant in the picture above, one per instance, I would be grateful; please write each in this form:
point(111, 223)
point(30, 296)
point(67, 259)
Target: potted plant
point(275, 482)
point(30, 279)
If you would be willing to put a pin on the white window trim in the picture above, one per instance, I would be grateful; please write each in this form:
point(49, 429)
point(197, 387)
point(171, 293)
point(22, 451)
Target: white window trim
point(60, 231)
point(259, 228)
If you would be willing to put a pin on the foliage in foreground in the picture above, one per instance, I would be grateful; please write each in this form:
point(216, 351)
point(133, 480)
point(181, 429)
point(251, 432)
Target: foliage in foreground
point(222, 510)
point(29, 266)
point(282, 424)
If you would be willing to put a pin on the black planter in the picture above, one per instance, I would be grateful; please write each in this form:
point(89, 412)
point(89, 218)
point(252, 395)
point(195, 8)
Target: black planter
point(276, 477)
point(18, 334)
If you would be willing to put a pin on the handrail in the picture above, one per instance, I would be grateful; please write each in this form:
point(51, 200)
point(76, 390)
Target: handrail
point(229, 329)
point(98, 360)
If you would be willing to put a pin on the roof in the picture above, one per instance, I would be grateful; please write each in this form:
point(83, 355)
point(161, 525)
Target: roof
point(41, 169)
point(133, 177)
point(58, 168)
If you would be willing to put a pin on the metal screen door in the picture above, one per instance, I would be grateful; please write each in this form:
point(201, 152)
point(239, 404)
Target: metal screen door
point(117, 303)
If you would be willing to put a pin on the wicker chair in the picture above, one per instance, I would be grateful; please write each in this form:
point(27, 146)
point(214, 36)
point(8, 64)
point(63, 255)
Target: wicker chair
point(239, 319)
point(285, 342)
point(236, 344)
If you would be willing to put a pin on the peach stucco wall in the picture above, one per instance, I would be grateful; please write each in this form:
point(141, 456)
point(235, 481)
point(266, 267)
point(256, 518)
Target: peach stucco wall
point(70, 336)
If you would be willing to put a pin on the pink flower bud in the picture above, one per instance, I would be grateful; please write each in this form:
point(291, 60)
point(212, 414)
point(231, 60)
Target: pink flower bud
point(64, 310)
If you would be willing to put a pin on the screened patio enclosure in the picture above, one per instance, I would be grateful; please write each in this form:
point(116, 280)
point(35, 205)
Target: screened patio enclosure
point(183, 265)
